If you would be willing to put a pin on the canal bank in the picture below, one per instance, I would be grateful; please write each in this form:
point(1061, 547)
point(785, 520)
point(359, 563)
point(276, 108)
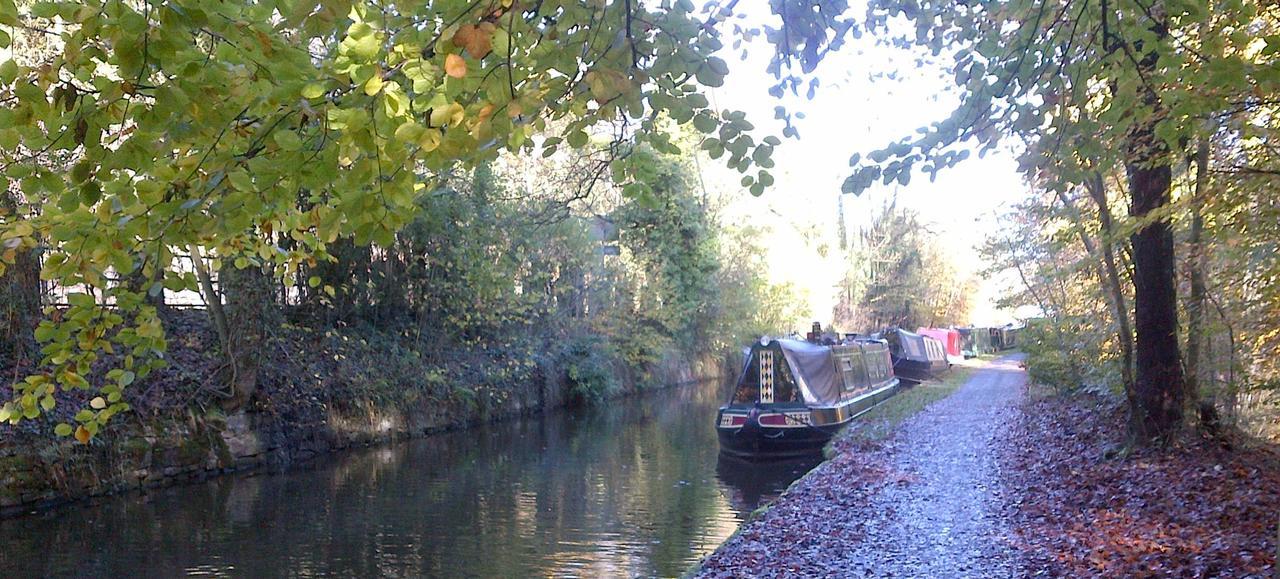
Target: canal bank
point(294, 419)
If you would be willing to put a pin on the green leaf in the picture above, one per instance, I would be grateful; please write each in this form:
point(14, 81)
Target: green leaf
point(718, 66)
point(8, 71)
point(705, 123)
point(409, 132)
point(850, 185)
point(287, 140)
point(366, 45)
point(313, 90)
point(62, 429)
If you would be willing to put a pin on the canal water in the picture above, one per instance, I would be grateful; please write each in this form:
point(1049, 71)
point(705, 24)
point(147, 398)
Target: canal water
point(634, 488)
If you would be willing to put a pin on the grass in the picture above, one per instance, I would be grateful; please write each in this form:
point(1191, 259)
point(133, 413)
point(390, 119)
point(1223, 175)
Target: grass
point(881, 420)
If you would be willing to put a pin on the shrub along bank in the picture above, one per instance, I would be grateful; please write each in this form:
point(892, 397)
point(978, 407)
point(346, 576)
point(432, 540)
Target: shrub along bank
point(496, 301)
point(321, 391)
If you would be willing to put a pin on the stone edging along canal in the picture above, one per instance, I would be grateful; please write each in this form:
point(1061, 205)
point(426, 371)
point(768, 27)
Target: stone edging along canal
point(37, 474)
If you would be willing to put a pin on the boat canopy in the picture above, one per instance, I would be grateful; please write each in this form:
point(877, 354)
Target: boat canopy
point(920, 348)
point(814, 371)
point(786, 370)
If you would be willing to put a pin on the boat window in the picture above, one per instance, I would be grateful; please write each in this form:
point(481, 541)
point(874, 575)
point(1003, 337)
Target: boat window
point(855, 376)
point(748, 389)
point(784, 384)
point(784, 387)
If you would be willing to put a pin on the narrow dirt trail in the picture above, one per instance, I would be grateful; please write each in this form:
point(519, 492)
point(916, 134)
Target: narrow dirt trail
point(943, 519)
point(925, 503)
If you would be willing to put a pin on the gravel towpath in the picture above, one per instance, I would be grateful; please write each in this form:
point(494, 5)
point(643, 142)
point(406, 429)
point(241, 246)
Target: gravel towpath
point(926, 502)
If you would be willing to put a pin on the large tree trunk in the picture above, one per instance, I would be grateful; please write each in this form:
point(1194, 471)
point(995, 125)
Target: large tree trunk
point(1159, 381)
point(1159, 378)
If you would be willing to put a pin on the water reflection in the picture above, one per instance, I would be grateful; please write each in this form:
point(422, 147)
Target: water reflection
point(634, 489)
point(751, 485)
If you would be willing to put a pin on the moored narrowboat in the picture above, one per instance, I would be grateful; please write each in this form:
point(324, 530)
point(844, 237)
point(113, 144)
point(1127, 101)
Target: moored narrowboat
point(917, 358)
point(950, 340)
point(793, 395)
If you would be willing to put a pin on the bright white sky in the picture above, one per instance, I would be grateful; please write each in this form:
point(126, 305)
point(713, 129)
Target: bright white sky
point(852, 113)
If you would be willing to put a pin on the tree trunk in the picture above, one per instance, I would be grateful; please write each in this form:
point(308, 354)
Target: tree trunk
point(1159, 378)
point(19, 297)
point(141, 281)
point(251, 311)
point(1098, 192)
point(1195, 266)
point(1159, 381)
point(1105, 268)
point(241, 324)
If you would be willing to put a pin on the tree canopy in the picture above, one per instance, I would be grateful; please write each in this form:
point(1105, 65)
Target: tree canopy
point(238, 135)
point(251, 133)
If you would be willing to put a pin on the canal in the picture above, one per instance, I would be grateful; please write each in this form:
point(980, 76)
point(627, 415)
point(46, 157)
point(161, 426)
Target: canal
point(633, 488)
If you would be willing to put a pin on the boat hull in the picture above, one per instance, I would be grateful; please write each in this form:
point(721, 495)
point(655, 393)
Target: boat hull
point(778, 431)
point(775, 443)
point(916, 371)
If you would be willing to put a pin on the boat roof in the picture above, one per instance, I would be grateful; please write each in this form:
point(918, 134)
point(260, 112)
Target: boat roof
point(815, 369)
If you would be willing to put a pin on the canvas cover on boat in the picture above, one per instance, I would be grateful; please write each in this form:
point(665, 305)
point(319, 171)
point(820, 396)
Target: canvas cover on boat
point(814, 370)
point(914, 347)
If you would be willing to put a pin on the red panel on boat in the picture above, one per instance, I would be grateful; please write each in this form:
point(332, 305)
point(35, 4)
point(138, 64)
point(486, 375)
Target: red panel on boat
point(773, 420)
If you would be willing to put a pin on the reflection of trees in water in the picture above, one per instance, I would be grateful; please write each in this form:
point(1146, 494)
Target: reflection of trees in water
point(624, 489)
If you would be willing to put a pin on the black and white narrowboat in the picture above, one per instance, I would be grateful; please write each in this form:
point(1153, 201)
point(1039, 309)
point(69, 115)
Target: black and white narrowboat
point(917, 358)
point(793, 395)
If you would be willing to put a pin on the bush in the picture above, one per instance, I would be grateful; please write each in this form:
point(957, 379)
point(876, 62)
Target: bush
point(587, 366)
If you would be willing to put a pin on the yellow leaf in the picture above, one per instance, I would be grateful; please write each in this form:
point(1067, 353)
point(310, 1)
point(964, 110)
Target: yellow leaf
point(313, 90)
point(455, 66)
point(408, 132)
point(98, 403)
point(82, 435)
point(373, 85)
point(429, 140)
point(451, 114)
